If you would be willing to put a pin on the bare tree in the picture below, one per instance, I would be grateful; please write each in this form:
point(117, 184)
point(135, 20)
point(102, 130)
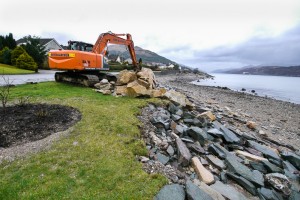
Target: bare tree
point(5, 91)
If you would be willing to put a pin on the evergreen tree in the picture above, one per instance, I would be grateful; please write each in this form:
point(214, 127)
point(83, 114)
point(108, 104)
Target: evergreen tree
point(7, 41)
point(35, 49)
point(25, 61)
point(1, 42)
point(5, 56)
point(10, 41)
point(16, 53)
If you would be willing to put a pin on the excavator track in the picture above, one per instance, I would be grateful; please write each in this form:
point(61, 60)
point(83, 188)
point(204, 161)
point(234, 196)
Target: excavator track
point(87, 80)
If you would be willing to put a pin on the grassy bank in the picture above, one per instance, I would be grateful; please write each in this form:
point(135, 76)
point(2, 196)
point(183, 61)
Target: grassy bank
point(10, 70)
point(101, 166)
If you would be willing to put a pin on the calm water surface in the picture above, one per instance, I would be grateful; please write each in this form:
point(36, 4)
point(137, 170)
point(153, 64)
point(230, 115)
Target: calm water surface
point(278, 87)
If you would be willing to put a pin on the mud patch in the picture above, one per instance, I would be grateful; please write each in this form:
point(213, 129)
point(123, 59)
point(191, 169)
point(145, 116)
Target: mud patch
point(32, 122)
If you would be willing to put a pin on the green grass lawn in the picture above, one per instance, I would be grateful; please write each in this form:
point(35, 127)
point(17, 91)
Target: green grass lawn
point(103, 164)
point(8, 69)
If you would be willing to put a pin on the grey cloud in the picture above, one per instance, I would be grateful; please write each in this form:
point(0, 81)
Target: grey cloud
point(282, 50)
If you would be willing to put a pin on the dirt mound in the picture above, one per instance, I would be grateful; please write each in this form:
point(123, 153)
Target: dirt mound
point(31, 122)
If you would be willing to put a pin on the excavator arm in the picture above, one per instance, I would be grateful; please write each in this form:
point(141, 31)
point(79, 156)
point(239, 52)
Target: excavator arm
point(105, 38)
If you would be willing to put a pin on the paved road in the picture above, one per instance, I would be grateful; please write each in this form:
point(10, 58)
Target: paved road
point(42, 76)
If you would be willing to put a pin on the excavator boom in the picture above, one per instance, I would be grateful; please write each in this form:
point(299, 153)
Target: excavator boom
point(105, 38)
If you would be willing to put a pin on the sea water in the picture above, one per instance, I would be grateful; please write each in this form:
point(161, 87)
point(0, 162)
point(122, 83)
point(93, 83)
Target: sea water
point(278, 87)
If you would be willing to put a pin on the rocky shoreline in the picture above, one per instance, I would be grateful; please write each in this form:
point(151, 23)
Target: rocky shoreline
point(213, 151)
point(278, 120)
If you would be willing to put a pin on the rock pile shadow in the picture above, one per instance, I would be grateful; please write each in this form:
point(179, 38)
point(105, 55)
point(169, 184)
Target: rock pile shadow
point(204, 159)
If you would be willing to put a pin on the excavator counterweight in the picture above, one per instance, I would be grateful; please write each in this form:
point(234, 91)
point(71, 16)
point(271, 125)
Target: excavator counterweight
point(82, 62)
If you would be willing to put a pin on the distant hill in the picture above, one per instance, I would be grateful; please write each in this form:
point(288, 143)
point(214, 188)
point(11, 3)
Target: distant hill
point(146, 55)
point(266, 70)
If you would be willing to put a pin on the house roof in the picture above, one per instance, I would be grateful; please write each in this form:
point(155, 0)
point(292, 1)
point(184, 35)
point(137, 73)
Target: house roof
point(43, 41)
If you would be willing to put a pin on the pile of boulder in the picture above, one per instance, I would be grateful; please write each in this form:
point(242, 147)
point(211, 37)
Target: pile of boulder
point(204, 159)
point(129, 83)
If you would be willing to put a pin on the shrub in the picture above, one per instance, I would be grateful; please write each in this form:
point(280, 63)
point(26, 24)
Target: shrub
point(25, 61)
point(5, 56)
point(16, 53)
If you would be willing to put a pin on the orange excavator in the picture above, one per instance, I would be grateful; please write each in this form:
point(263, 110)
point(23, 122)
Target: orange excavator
point(82, 63)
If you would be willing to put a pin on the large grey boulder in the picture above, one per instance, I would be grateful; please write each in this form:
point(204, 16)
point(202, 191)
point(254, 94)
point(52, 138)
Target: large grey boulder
point(268, 152)
point(238, 168)
point(178, 98)
point(267, 194)
point(197, 134)
point(171, 192)
point(243, 182)
point(228, 135)
point(216, 162)
point(228, 191)
point(293, 158)
point(195, 193)
point(279, 182)
point(210, 191)
point(184, 155)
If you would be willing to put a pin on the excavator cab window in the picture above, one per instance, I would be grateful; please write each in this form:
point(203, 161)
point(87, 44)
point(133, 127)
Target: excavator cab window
point(81, 46)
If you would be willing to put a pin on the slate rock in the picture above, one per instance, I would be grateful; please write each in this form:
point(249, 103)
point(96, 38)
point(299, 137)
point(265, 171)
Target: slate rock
point(254, 152)
point(228, 135)
point(271, 168)
point(258, 166)
point(264, 149)
point(195, 193)
point(223, 177)
point(196, 148)
point(184, 155)
point(216, 162)
point(172, 108)
point(293, 158)
point(220, 151)
point(292, 173)
point(188, 115)
point(294, 195)
point(171, 192)
point(203, 122)
point(278, 163)
point(215, 132)
point(212, 148)
point(175, 117)
point(197, 122)
point(279, 182)
point(179, 112)
point(197, 134)
point(170, 150)
point(187, 140)
point(238, 168)
point(162, 158)
point(267, 194)
point(210, 191)
point(179, 130)
point(228, 191)
point(188, 121)
point(243, 182)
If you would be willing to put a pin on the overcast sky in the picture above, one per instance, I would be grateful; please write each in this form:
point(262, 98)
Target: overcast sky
point(209, 34)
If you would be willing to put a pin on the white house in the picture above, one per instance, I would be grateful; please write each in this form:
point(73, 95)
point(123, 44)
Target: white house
point(49, 43)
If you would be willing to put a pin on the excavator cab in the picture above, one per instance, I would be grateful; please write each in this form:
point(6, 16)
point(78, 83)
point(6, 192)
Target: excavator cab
point(80, 46)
